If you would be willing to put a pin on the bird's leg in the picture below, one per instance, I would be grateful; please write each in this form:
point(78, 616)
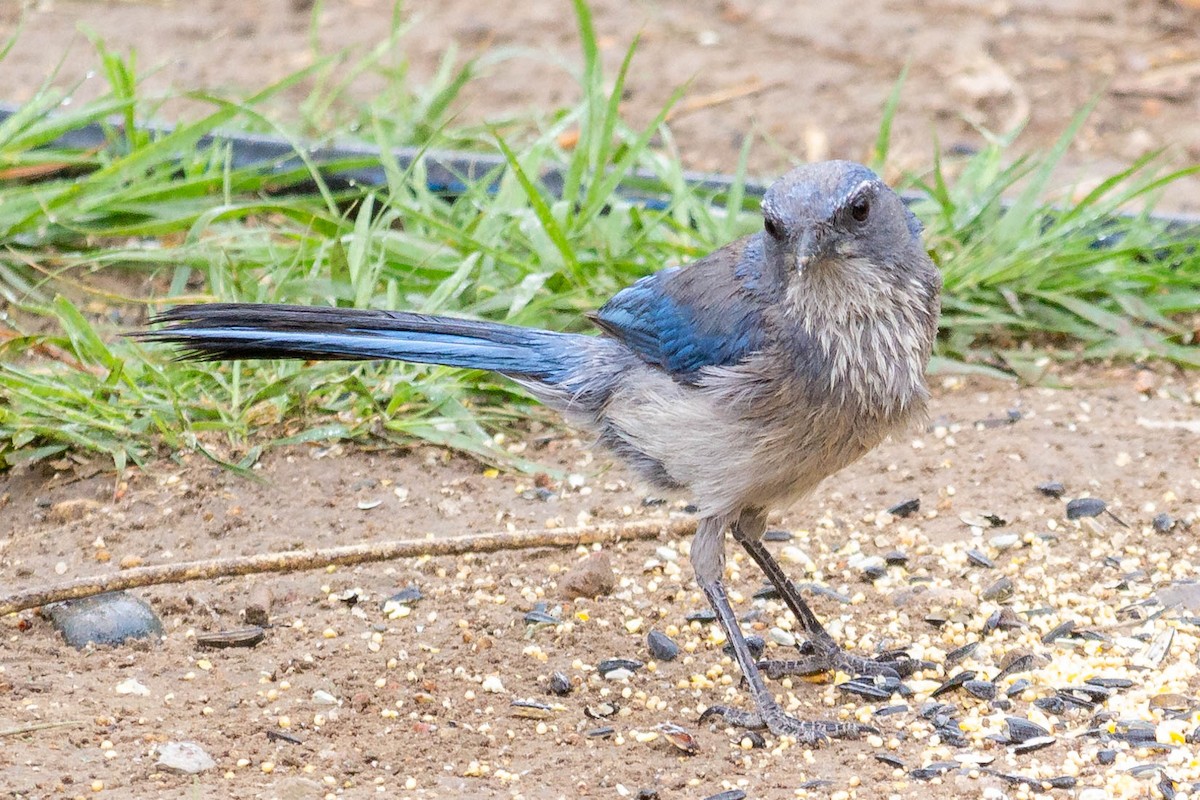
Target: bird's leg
point(708, 560)
point(828, 655)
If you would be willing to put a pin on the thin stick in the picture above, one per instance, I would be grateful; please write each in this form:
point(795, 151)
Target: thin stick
point(40, 726)
point(721, 97)
point(299, 560)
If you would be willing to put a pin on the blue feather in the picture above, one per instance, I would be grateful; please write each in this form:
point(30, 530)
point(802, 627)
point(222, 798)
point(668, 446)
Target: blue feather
point(705, 315)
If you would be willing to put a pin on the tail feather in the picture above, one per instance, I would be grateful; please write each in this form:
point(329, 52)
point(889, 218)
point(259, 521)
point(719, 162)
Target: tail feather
point(220, 331)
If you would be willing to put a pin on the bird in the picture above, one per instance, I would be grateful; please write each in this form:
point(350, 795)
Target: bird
point(742, 380)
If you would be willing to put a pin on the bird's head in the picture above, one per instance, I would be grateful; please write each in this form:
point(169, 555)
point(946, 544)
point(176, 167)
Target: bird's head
point(857, 276)
point(821, 217)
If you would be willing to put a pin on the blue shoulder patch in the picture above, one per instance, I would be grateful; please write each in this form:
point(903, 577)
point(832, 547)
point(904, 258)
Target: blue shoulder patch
point(685, 319)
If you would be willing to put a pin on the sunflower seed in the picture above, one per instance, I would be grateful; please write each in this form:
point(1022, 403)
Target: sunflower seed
point(1002, 589)
point(905, 508)
point(531, 709)
point(961, 653)
point(560, 684)
point(979, 559)
point(240, 637)
point(1036, 743)
point(1022, 730)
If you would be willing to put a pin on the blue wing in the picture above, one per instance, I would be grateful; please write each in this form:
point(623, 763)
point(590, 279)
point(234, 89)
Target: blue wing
point(710, 313)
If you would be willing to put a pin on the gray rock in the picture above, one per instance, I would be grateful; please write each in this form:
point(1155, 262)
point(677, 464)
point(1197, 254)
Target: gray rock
point(111, 618)
point(187, 758)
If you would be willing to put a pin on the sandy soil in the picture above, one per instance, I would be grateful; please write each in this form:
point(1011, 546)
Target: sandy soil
point(406, 711)
point(822, 74)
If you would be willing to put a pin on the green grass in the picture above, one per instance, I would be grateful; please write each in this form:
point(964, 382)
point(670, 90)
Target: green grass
point(154, 212)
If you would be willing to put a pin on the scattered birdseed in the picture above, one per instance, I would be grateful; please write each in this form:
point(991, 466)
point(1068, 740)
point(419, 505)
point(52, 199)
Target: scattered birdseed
point(1030, 745)
point(905, 508)
point(1001, 590)
point(601, 710)
point(953, 682)
point(283, 736)
point(1022, 730)
point(732, 794)
point(240, 637)
point(610, 665)
point(984, 690)
point(531, 709)
point(979, 559)
point(680, 738)
point(934, 770)
point(756, 644)
point(560, 684)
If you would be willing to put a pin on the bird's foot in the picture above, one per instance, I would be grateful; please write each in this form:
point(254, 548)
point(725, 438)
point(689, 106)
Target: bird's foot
point(829, 657)
point(808, 732)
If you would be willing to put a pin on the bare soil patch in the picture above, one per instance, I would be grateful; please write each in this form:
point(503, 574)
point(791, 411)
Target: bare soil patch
point(399, 706)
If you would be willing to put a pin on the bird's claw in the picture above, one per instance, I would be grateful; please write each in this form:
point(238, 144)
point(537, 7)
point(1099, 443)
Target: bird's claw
point(892, 665)
point(812, 733)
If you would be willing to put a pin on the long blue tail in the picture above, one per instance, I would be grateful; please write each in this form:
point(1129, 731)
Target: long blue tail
point(219, 331)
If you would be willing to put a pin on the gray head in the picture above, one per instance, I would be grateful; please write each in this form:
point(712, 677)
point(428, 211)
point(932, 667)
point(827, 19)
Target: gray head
point(820, 215)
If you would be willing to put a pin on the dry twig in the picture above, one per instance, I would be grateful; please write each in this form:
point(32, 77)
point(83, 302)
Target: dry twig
point(343, 556)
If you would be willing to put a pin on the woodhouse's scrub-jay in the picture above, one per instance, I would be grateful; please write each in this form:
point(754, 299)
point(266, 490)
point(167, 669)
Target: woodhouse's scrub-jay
point(743, 379)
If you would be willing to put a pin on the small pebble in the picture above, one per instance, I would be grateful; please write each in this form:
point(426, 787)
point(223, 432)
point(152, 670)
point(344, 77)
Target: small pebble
point(1004, 541)
point(131, 686)
point(1163, 523)
point(905, 508)
point(112, 618)
point(661, 646)
point(187, 758)
point(1082, 507)
point(1052, 488)
point(591, 577)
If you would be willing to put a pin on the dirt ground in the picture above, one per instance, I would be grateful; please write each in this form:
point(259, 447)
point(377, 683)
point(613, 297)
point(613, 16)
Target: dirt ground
point(405, 710)
point(808, 80)
point(402, 706)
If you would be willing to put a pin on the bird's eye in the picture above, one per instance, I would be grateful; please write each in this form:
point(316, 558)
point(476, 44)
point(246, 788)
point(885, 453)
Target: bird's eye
point(860, 209)
point(773, 228)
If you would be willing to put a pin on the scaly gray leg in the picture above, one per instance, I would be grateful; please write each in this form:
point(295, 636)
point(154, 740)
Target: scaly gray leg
point(747, 531)
point(708, 559)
